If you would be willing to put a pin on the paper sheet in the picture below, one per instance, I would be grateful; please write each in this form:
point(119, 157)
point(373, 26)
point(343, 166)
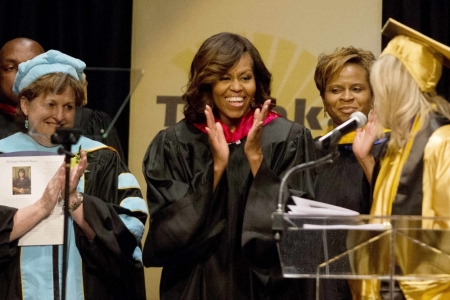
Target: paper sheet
point(39, 170)
point(310, 207)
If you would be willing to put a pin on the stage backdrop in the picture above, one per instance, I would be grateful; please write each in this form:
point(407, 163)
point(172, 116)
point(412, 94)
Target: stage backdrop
point(290, 34)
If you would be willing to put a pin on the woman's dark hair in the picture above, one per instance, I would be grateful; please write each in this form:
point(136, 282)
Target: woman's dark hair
point(216, 56)
point(21, 170)
point(53, 83)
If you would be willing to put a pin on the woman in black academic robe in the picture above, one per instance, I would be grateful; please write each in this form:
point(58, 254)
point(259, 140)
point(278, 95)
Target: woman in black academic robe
point(342, 78)
point(211, 226)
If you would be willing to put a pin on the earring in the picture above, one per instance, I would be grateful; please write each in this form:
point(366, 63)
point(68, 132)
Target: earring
point(325, 115)
point(26, 122)
point(253, 104)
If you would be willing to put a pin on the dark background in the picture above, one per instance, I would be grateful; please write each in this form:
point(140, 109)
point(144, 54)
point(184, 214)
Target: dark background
point(95, 31)
point(430, 17)
point(99, 33)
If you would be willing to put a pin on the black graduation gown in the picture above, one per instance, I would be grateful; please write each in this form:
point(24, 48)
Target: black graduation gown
point(94, 124)
point(7, 125)
point(343, 183)
point(219, 244)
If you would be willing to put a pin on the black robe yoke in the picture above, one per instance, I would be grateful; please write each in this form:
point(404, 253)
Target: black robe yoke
point(219, 244)
point(343, 183)
point(7, 125)
point(94, 123)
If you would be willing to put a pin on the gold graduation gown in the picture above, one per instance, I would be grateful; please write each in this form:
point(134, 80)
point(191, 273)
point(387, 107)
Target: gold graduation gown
point(415, 181)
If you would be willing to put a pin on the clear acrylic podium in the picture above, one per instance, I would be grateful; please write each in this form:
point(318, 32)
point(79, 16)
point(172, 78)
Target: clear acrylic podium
point(386, 248)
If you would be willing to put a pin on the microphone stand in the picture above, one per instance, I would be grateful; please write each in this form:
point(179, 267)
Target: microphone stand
point(127, 98)
point(277, 216)
point(66, 137)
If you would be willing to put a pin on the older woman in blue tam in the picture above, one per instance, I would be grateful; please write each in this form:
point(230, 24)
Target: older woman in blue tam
point(107, 212)
point(49, 87)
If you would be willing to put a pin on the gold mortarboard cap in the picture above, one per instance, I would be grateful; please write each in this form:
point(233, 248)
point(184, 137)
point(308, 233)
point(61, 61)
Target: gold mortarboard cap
point(421, 55)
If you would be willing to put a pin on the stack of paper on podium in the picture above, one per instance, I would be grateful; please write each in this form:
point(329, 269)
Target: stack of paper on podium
point(347, 246)
point(310, 207)
point(315, 208)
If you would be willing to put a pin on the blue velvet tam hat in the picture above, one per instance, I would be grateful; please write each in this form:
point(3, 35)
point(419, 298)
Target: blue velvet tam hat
point(51, 61)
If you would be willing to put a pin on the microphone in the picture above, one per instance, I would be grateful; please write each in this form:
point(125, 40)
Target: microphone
point(357, 120)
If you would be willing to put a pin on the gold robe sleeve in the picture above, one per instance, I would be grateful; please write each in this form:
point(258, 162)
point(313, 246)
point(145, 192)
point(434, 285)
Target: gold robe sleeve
point(411, 258)
point(436, 203)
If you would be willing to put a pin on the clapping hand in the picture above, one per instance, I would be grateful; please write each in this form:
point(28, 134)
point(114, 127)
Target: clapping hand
point(253, 145)
point(52, 192)
point(365, 137)
point(75, 174)
point(362, 146)
point(219, 145)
